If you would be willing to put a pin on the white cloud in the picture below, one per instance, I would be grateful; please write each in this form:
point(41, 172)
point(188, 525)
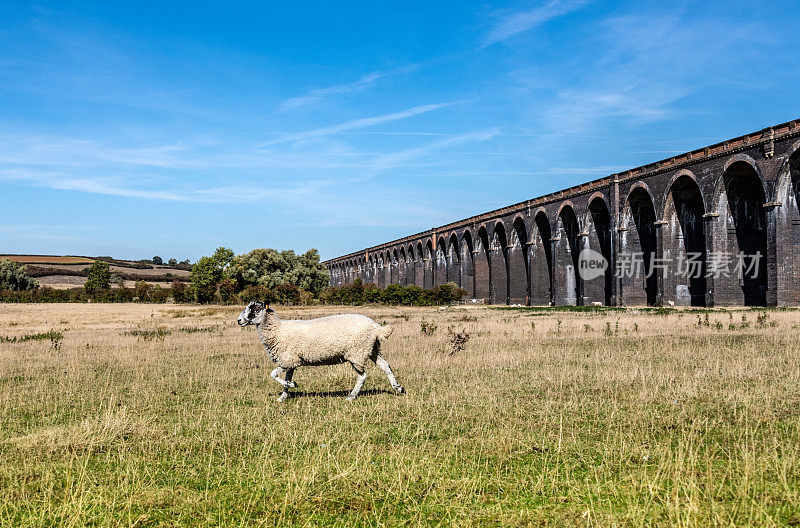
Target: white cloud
point(315, 95)
point(357, 124)
point(398, 158)
point(243, 192)
point(645, 65)
point(526, 20)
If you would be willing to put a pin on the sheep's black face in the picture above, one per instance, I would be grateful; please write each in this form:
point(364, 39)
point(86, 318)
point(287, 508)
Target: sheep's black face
point(252, 313)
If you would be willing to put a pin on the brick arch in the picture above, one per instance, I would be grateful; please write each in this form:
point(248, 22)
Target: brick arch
point(596, 236)
point(540, 261)
point(638, 242)
point(483, 272)
point(518, 276)
point(684, 173)
point(566, 281)
point(440, 262)
point(402, 262)
point(739, 231)
point(719, 182)
point(787, 226)
point(595, 196)
point(467, 263)
point(498, 264)
point(419, 265)
point(380, 273)
point(684, 237)
point(453, 260)
point(564, 204)
point(372, 269)
point(399, 266)
point(428, 263)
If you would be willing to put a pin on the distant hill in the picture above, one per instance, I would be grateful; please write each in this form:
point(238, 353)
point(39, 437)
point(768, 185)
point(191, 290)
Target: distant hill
point(70, 271)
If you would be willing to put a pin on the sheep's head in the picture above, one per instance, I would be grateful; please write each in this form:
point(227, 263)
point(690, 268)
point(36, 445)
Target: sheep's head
point(253, 313)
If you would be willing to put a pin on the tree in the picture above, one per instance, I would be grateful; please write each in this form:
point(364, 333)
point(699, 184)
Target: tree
point(172, 262)
point(157, 260)
point(271, 268)
point(13, 277)
point(224, 257)
point(99, 277)
point(206, 273)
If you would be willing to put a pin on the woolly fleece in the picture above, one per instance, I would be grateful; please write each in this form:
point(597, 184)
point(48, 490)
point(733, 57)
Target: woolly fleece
point(324, 341)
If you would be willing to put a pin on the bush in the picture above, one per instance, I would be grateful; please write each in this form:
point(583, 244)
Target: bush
point(394, 294)
point(372, 294)
point(306, 298)
point(14, 278)
point(257, 293)
point(159, 294)
point(180, 292)
point(287, 293)
point(447, 293)
point(157, 260)
point(227, 291)
point(142, 290)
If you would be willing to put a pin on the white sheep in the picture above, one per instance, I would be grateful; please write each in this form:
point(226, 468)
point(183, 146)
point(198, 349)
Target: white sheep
point(350, 338)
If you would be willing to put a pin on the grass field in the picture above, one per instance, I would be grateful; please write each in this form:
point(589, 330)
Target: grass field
point(145, 415)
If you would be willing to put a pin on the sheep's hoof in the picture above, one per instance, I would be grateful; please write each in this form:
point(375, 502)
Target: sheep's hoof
point(291, 385)
point(283, 396)
point(351, 398)
point(399, 389)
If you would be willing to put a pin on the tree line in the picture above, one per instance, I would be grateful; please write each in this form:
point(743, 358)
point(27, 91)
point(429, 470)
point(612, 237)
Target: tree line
point(282, 277)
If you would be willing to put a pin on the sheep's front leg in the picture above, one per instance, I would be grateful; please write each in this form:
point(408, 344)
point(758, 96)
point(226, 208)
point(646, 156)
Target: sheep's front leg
point(286, 383)
point(384, 366)
point(362, 377)
point(277, 372)
point(288, 377)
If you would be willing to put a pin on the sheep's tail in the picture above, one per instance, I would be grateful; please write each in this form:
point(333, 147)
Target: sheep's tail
point(384, 331)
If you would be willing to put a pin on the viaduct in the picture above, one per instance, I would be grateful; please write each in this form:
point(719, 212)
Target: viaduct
point(733, 203)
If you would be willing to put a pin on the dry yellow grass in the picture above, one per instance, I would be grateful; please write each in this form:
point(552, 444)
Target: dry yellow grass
point(163, 415)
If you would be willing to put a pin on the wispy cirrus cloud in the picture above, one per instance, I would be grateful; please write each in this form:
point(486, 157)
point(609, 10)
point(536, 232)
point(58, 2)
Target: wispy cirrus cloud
point(526, 20)
point(401, 157)
point(318, 94)
point(246, 191)
point(357, 124)
point(647, 64)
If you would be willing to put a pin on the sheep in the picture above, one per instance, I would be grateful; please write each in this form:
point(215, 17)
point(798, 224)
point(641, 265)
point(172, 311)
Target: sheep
point(350, 338)
point(597, 303)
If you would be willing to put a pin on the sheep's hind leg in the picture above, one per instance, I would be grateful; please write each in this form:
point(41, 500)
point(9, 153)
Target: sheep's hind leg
point(384, 366)
point(362, 377)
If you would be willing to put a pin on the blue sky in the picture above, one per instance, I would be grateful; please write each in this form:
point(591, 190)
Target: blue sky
point(169, 128)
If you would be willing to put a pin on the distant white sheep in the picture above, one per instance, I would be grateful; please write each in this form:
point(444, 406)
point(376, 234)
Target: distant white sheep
point(597, 303)
point(350, 338)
